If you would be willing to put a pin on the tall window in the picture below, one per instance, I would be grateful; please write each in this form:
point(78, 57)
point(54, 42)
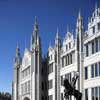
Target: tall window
point(66, 61)
point(50, 97)
point(62, 96)
point(69, 45)
point(71, 58)
point(28, 86)
point(61, 80)
point(51, 68)
point(22, 89)
point(93, 47)
point(50, 84)
point(96, 93)
point(93, 29)
point(66, 47)
point(86, 50)
point(62, 61)
point(96, 42)
point(99, 68)
point(99, 26)
point(92, 92)
point(25, 87)
point(99, 93)
point(86, 94)
point(86, 72)
point(92, 71)
point(96, 70)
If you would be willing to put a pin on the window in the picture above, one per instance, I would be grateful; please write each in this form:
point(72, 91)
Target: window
point(99, 26)
point(61, 80)
point(62, 96)
point(50, 97)
point(25, 87)
point(42, 97)
point(66, 47)
point(96, 42)
point(92, 93)
point(28, 86)
point(99, 68)
point(51, 57)
point(69, 45)
point(51, 68)
point(96, 93)
point(86, 94)
point(99, 93)
point(86, 50)
point(42, 86)
point(71, 58)
point(92, 71)
point(22, 89)
point(86, 72)
point(96, 70)
point(66, 60)
point(62, 61)
point(50, 84)
point(93, 47)
point(93, 29)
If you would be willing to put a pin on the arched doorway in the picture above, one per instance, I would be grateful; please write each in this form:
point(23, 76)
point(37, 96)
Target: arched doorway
point(26, 98)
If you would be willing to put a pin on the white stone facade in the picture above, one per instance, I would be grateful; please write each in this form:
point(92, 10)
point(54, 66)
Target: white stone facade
point(30, 82)
point(76, 54)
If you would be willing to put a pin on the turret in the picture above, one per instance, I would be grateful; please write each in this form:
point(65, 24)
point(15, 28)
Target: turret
point(35, 39)
point(79, 31)
point(17, 59)
point(16, 80)
point(57, 40)
point(79, 46)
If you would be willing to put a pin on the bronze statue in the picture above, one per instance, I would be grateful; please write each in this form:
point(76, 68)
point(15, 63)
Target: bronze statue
point(70, 89)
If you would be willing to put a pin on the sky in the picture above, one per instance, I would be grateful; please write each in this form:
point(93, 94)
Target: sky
point(17, 21)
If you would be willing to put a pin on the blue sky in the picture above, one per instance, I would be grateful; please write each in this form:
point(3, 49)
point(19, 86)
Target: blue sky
point(16, 25)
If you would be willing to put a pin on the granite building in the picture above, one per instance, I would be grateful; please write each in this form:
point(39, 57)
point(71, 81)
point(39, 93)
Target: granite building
point(36, 78)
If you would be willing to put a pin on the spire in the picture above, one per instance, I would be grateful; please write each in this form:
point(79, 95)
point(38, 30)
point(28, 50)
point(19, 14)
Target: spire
point(79, 14)
point(57, 34)
point(96, 5)
point(17, 59)
point(57, 40)
point(36, 24)
point(17, 51)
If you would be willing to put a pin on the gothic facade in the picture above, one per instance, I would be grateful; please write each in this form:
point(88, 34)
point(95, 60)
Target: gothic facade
point(36, 78)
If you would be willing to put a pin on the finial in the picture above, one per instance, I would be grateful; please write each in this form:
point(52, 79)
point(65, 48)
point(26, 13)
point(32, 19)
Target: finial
point(17, 50)
point(57, 33)
point(67, 28)
point(57, 30)
point(79, 14)
point(96, 5)
point(17, 45)
point(35, 19)
point(36, 24)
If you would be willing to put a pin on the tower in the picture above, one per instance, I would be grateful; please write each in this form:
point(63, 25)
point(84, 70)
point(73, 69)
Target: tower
point(57, 66)
point(79, 36)
point(36, 63)
point(16, 80)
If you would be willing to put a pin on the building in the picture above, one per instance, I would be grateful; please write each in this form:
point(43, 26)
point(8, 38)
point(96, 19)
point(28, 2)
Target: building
point(36, 78)
point(30, 74)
